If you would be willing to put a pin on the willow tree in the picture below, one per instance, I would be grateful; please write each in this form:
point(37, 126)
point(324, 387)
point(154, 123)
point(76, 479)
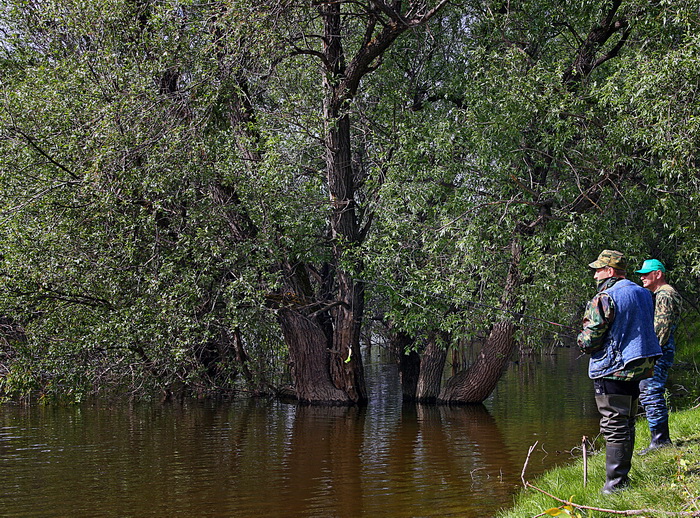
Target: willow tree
point(194, 194)
point(113, 265)
point(572, 172)
point(324, 341)
point(319, 302)
point(195, 173)
point(542, 179)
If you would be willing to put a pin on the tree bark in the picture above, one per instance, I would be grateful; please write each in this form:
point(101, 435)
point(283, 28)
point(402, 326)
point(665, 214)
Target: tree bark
point(346, 361)
point(432, 365)
point(310, 360)
point(476, 383)
point(346, 366)
point(420, 373)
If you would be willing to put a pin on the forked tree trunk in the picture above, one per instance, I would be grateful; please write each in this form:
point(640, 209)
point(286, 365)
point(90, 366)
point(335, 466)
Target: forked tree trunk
point(310, 359)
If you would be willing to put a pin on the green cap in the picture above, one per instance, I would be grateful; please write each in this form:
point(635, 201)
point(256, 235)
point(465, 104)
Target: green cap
point(651, 265)
point(611, 258)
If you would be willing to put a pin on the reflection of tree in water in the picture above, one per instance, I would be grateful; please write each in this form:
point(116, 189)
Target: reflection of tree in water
point(263, 458)
point(323, 464)
point(430, 461)
point(453, 455)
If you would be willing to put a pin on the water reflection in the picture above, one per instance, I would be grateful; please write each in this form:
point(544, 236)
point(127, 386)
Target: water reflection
point(252, 458)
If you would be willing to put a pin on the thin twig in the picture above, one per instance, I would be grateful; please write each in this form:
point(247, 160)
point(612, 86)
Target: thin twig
point(629, 512)
point(584, 447)
point(527, 459)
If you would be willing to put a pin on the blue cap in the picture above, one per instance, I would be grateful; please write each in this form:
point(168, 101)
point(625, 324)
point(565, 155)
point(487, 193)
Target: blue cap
point(651, 265)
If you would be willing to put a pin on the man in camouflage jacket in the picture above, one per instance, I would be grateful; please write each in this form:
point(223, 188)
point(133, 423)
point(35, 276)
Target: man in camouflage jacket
point(667, 312)
point(618, 333)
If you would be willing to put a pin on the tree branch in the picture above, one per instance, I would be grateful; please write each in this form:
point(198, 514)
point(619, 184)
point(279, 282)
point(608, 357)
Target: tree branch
point(36, 146)
point(586, 61)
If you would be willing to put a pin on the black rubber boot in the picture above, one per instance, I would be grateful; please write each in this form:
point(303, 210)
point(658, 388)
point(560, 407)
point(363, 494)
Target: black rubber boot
point(659, 437)
point(618, 461)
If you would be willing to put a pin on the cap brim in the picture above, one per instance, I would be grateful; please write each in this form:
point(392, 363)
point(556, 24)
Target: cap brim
point(597, 264)
point(644, 271)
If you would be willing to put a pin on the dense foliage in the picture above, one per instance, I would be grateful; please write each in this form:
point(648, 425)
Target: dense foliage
point(174, 188)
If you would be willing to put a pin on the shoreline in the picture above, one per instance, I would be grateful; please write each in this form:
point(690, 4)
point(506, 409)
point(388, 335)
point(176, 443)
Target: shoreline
point(665, 482)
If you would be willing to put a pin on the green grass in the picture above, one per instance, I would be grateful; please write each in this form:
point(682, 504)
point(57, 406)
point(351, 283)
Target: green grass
point(664, 481)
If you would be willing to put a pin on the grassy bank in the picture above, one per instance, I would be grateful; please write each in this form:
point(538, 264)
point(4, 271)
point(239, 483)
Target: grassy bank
point(664, 483)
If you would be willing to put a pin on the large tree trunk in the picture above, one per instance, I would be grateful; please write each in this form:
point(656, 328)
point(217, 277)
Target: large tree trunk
point(476, 383)
point(346, 361)
point(341, 81)
point(322, 330)
point(310, 360)
point(432, 365)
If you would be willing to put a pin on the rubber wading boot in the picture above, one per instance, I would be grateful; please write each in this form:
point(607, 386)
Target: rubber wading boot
point(618, 461)
point(659, 437)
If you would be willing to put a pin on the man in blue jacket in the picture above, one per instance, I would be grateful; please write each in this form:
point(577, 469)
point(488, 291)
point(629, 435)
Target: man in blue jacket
point(618, 333)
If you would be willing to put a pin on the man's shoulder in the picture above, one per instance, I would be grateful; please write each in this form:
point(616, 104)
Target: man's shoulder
point(626, 284)
point(667, 289)
point(669, 294)
point(632, 291)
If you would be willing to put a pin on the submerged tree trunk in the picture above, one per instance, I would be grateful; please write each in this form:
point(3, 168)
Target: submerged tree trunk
point(408, 361)
point(476, 383)
point(310, 360)
point(432, 365)
point(420, 373)
point(346, 366)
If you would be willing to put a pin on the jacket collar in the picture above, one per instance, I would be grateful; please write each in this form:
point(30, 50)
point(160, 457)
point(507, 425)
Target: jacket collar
point(608, 283)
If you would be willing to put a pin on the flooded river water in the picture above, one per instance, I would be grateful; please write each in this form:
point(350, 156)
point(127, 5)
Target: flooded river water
point(266, 458)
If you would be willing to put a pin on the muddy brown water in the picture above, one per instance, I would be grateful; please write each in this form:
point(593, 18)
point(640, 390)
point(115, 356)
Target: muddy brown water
point(266, 458)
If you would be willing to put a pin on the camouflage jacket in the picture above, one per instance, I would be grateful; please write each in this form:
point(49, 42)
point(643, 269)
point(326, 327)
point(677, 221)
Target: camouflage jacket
point(600, 311)
point(667, 312)
point(597, 318)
